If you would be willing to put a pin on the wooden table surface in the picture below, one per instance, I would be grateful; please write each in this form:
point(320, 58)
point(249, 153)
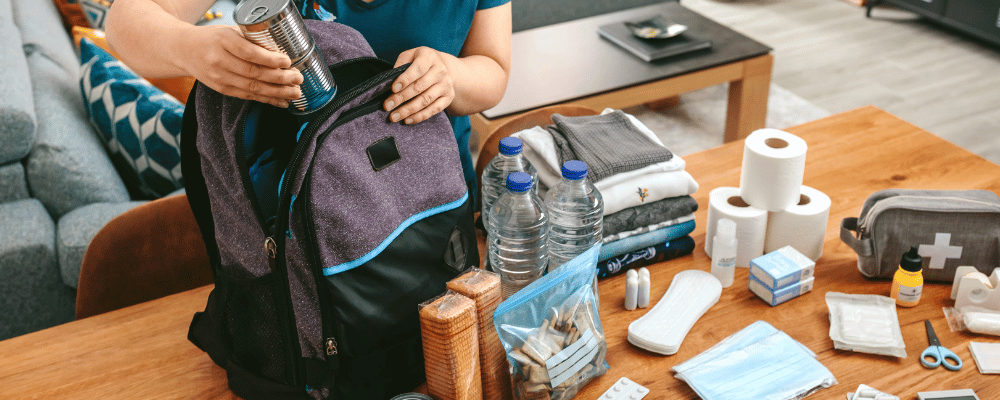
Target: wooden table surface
point(142, 352)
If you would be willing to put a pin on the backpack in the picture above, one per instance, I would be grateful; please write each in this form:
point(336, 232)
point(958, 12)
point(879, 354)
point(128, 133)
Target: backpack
point(324, 232)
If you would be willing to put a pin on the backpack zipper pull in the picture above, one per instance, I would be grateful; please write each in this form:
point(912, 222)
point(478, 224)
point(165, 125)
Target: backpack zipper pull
point(272, 251)
point(331, 346)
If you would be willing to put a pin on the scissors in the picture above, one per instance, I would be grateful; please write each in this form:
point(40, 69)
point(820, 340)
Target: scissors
point(939, 354)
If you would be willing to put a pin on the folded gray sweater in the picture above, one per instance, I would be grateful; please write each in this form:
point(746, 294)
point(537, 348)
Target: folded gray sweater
point(608, 143)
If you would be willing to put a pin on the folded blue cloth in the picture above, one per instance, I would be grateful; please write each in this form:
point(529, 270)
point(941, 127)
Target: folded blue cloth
point(650, 255)
point(633, 243)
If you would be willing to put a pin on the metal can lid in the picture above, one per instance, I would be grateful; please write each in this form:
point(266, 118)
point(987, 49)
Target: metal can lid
point(412, 396)
point(250, 12)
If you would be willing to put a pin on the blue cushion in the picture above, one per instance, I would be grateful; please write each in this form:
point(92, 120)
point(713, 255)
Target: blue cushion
point(68, 166)
point(75, 230)
point(33, 294)
point(17, 109)
point(140, 124)
point(13, 185)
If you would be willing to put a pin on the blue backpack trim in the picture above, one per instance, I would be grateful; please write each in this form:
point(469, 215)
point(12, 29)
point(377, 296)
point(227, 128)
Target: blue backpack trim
point(347, 266)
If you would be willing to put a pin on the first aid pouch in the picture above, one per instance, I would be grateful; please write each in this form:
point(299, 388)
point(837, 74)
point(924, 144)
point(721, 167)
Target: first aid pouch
point(950, 228)
point(552, 332)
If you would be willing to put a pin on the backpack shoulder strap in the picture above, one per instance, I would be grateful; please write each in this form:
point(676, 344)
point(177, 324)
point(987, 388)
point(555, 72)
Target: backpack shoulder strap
point(194, 181)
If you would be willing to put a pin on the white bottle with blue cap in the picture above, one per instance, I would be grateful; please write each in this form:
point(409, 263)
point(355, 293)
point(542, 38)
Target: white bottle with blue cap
point(576, 214)
point(518, 230)
point(509, 159)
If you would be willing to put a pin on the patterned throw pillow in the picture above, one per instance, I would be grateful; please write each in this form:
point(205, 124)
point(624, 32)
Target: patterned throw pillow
point(177, 87)
point(96, 11)
point(140, 124)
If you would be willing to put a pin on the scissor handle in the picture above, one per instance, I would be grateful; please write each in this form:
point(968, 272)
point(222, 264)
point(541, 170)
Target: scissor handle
point(941, 356)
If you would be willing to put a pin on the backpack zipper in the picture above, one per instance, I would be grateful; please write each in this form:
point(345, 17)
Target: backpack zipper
point(282, 219)
point(968, 206)
point(326, 304)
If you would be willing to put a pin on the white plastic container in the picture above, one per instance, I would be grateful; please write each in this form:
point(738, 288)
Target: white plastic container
point(724, 252)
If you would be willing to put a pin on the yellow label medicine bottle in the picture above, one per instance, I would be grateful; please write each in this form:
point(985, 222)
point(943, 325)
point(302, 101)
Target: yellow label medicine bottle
point(908, 281)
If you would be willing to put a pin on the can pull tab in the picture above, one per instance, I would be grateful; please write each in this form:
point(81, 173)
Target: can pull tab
point(272, 251)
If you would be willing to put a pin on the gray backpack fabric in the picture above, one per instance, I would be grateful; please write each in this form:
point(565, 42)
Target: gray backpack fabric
point(951, 228)
point(324, 233)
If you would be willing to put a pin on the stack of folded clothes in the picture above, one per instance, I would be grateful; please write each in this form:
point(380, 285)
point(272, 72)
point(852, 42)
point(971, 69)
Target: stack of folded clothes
point(648, 210)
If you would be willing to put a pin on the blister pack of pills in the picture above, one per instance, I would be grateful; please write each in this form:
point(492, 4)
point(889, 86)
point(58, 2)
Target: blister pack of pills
point(625, 389)
point(866, 392)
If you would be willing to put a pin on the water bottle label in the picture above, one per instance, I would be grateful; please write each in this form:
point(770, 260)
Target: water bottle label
point(727, 262)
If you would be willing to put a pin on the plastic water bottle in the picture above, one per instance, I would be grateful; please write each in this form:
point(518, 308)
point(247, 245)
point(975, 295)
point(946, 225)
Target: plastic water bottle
point(519, 227)
point(576, 214)
point(494, 180)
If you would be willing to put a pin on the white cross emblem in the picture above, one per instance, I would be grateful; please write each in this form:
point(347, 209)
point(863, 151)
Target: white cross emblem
point(940, 250)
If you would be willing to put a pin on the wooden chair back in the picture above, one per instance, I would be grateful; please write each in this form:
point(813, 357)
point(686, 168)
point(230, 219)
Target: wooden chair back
point(540, 117)
point(148, 252)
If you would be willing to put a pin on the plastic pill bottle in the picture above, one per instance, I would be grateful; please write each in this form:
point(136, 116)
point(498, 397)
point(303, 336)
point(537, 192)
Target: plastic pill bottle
point(908, 281)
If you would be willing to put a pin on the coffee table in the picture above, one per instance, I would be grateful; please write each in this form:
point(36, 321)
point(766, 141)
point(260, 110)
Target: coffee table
point(142, 352)
point(571, 63)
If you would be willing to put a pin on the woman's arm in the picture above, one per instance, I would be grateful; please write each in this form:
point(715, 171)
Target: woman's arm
point(473, 82)
point(158, 39)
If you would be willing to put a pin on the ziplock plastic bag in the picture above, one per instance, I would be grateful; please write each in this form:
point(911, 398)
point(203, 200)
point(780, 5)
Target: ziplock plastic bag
point(757, 363)
point(552, 332)
point(865, 323)
point(973, 319)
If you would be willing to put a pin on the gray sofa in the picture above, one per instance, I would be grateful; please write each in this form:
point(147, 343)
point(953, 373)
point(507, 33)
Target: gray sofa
point(57, 185)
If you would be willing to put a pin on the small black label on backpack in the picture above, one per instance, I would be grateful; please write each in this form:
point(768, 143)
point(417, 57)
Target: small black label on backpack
point(383, 153)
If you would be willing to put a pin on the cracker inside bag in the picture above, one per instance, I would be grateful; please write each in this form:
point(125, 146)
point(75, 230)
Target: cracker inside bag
point(552, 332)
point(451, 351)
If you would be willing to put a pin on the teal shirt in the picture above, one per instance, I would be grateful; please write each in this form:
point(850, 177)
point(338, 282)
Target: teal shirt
point(394, 26)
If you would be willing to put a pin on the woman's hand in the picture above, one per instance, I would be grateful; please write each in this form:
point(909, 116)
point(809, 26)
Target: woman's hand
point(220, 57)
point(424, 89)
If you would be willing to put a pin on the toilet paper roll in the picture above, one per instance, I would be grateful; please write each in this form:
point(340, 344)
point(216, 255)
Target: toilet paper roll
point(802, 225)
point(773, 164)
point(751, 223)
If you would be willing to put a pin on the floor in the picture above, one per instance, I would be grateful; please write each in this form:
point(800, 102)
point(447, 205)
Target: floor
point(829, 54)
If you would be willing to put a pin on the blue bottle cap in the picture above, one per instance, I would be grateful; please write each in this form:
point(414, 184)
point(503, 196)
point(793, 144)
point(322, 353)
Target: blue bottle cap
point(510, 145)
point(518, 181)
point(574, 169)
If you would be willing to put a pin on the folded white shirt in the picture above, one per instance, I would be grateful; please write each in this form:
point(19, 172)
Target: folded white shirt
point(620, 191)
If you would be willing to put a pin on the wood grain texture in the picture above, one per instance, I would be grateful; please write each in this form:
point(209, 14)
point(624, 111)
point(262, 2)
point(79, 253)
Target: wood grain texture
point(142, 352)
point(747, 107)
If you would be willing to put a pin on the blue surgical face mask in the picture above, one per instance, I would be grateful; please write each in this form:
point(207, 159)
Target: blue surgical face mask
point(773, 367)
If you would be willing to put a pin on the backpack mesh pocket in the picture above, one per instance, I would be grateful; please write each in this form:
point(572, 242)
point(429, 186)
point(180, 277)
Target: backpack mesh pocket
point(253, 328)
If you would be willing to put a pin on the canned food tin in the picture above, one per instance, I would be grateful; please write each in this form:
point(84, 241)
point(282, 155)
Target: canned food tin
point(318, 87)
point(412, 396)
point(274, 25)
